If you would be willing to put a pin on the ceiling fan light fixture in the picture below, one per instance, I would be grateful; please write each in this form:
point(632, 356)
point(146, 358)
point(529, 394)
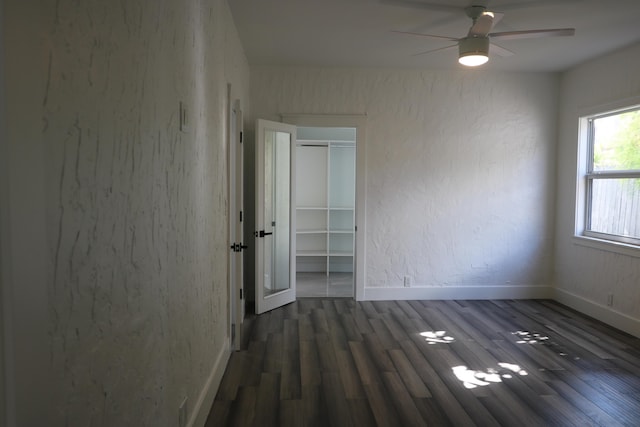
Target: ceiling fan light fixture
point(473, 60)
point(473, 51)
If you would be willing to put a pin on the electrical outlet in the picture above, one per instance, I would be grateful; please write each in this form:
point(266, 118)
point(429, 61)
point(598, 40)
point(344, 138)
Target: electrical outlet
point(610, 300)
point(407, 281)
point(182, 414)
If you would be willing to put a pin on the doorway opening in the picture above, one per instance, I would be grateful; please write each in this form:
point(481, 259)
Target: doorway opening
point(325, 211)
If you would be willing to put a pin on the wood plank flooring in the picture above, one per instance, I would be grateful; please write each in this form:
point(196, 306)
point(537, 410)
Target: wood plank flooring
point(337, 362)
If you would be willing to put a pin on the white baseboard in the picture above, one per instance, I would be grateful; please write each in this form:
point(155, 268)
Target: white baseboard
point(205, 400)
point(458, 292)
point(600, 312)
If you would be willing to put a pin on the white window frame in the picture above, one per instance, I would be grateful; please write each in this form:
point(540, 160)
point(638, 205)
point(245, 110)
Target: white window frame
point(587, 176)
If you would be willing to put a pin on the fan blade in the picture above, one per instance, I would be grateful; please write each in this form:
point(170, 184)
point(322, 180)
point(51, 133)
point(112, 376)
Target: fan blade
point(435, 50)
point(531, 34)
point(497, 17)
point(535, 3)
point(453, 39)
point(417, 4)
point(499, 50)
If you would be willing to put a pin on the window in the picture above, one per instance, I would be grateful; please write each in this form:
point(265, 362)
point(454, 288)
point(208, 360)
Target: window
point(612, 178)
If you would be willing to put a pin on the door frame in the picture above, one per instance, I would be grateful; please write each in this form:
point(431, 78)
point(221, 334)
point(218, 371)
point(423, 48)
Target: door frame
point(235, 216)
point(359, 122)
point(7, 415)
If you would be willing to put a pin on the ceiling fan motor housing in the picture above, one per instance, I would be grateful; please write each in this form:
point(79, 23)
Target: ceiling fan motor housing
point(474, 46)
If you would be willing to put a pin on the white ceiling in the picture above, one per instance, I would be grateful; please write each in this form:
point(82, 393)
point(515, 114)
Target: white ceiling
point(358, 33)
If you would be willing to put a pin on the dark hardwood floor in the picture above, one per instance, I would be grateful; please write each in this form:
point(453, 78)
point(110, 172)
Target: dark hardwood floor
point(337, 362)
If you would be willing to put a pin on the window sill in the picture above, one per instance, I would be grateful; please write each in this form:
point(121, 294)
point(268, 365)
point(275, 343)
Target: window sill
point(608, 246)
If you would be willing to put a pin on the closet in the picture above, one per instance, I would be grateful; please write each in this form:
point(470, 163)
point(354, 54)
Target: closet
point(325, 200)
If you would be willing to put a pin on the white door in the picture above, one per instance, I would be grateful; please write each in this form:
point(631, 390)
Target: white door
point(236, 194)
point(275, 215)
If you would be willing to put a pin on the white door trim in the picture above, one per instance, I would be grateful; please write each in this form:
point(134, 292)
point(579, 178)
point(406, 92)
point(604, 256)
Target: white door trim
point(236, 241)
point(238, 147)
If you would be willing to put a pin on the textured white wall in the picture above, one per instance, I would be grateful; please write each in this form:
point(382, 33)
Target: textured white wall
point(131, 213)
point(460, 168)
point(588, 274)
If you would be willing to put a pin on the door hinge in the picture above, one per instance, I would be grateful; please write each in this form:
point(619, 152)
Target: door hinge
point(241, 294)
point(241, 138)
point(240, 216)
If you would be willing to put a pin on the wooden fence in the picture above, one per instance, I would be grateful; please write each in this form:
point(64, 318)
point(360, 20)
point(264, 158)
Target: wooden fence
point(616, 207)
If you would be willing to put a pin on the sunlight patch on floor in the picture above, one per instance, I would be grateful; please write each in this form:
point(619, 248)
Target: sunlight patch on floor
point(437, 337)
point(526, 337)
point(471, 378)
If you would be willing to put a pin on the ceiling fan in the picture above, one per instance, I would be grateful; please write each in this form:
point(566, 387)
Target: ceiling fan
point(473, 49)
